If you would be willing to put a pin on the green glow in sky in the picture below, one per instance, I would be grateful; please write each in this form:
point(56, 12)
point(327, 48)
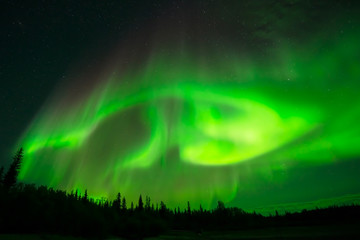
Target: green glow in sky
point(219, 126)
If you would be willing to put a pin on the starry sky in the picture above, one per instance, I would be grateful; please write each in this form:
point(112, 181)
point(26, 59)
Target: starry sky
point(254, 103)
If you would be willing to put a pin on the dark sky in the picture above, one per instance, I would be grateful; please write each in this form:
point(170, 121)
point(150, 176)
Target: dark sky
point(45, 44)
point(42, 41)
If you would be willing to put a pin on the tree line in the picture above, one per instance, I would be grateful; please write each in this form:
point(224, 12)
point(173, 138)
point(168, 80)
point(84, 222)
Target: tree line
point(27, 208)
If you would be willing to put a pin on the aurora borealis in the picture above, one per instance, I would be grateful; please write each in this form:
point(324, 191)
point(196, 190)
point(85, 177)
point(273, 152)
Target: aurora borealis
point(204, 112)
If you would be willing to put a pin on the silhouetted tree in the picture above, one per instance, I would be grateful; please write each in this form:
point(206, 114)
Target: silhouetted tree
point(123, 205)
point(188, 208)
point(117, 202)
point(141, 204)
point(85, 198)
point(132, 206)
point(76, 195)
point(106, 204)
point(147, 203)
point(11, 175)
point(221, 206)
point(163, 209)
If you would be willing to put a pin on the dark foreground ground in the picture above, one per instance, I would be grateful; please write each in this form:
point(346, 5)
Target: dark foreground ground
point(313, 232)
point(349, 231)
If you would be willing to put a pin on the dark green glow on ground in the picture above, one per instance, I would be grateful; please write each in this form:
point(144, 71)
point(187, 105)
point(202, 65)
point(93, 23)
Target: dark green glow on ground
point(220, 125)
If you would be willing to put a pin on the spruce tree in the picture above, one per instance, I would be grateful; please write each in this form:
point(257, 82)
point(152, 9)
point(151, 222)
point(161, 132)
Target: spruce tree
point(147, 203)
point(11, 175)
point(123, 205)
point(141, 204)
point(117, 202)
point(85, 198)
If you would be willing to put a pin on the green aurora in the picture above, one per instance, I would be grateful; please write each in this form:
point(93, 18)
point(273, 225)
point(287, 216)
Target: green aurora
point(206, 125)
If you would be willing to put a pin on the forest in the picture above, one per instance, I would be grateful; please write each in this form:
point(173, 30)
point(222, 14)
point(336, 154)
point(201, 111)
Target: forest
point(31, 209)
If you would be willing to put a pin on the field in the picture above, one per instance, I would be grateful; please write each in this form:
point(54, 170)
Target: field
point(311, 232)
point(351, 231)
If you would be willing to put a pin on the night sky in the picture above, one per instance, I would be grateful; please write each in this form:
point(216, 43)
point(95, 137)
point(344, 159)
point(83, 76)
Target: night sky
point(255, 103)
